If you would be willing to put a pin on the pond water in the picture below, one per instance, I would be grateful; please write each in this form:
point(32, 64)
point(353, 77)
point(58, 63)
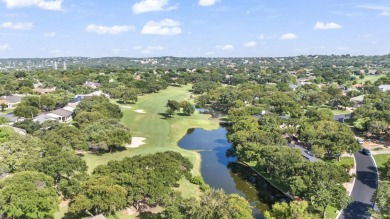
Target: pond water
point(220, 171)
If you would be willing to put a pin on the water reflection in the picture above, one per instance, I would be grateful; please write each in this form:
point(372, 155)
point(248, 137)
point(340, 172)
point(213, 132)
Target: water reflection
point(220, 171)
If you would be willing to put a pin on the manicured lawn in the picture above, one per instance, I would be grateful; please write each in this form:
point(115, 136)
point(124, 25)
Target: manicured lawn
point(372, 78)
point(331, 212)
point(343, 161)
point(380, 160)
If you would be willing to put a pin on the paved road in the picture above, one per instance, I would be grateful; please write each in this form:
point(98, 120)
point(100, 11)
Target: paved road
point(363, 190)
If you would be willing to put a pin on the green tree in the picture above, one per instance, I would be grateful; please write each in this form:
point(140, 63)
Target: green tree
point(3, 106)
point(99, 104)
point(26, 111)
point(216, 204)
point(382, 199)
point(18, 151)
point(188, 108)
point(292, 210)
point(28, 195)
point(327, 193)
point(29, 125)
point(386, 170)
point(107, 134)
point(86, 118)
point(169, 112)
point(129, 95)
point(65, 167)
point(173, 105)
point(65, 136)
point(148, 179)
point(99, 195)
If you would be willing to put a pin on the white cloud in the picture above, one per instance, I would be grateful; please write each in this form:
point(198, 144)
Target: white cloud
point(225, 47)
point(288, 36)
point(207, 3)
point(4, 47)
point(137, 47)
point(116, 29)
point(152, 5)
point(250, 44)
point(43, 4)
point(165, 27)
point(49, 34)
point(326, 26)
point(17, 26)
point(384, 10)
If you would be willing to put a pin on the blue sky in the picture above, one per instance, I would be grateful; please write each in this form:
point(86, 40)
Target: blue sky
point(193, 28)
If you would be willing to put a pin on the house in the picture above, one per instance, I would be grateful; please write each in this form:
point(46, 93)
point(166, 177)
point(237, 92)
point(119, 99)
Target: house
point(342, 117)
point(62, 115)
point(80, 97)
point(12, 118)
point(43, 118)
point(384, 87)
point(293, 86)
point(10, 101)
point(91, 84)
point(357, 100)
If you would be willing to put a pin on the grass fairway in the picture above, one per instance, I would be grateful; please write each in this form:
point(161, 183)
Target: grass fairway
point(161, 134)
point(372, 78)
point(380, 160)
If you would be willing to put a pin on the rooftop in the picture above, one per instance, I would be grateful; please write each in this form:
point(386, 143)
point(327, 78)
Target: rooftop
point(62, 112)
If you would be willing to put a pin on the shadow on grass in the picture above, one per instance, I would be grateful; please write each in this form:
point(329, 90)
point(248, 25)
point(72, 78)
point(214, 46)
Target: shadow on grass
point(164, 116)
point(148, 215)
point(103, 151)
point(122, 102)
point(181, 114)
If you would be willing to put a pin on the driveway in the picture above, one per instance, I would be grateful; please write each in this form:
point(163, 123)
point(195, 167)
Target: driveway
point(305, 153)
point(363, 190)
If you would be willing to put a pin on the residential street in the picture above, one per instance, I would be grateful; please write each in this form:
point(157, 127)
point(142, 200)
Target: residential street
point(363, 190)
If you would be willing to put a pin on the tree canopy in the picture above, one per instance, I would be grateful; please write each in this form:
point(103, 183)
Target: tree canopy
point(28, 195)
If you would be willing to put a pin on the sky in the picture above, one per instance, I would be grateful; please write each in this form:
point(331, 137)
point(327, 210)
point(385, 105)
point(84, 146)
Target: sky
point(193, 28)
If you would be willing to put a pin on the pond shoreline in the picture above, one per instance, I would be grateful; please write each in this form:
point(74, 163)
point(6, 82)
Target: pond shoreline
point(221, 171)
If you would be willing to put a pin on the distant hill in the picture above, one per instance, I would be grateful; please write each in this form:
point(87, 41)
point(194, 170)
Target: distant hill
point(62, 63)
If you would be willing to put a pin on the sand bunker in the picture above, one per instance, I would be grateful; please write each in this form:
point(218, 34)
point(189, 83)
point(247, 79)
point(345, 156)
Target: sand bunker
point(139, 111)
point(136, 142)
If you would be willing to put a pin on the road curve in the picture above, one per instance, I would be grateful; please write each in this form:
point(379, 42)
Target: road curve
point(363, 190)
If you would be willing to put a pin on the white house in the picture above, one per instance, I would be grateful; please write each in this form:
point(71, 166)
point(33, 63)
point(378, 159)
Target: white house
point(10, 101)
point(384, 87)
point(62, 115)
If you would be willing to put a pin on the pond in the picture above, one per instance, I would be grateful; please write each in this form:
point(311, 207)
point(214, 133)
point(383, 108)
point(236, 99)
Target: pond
point(220, 171)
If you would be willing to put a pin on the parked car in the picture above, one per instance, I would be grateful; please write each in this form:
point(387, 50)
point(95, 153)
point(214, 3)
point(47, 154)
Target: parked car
point(366, 151)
